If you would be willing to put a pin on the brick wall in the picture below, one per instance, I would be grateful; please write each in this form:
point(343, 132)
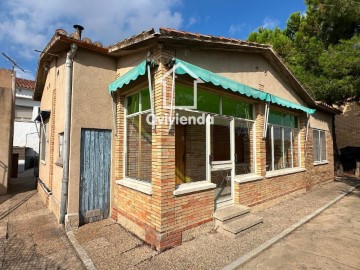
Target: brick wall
point(347, 125)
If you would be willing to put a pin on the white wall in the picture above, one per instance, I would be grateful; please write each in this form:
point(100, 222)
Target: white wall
point(25, 132)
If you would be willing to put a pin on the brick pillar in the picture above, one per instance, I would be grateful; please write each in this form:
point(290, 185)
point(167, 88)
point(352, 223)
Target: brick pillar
point(163, 162)
point(260, 142)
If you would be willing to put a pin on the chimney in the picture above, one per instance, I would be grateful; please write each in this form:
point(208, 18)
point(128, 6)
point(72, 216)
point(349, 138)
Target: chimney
point(78, 29)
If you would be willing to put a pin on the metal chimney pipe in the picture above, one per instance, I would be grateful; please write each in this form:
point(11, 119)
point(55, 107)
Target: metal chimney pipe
point(78, 29)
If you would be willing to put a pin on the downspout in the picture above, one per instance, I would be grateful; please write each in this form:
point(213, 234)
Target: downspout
point(68, 95)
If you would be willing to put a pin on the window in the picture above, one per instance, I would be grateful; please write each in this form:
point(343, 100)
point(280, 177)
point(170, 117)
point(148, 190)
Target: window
point(138, 137)
point(319, 145)
point(23, 113)
point(213, 103)
point(43, 143)
point(61, 145)
point(281, 142)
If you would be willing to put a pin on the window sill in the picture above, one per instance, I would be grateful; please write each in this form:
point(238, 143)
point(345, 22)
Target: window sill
point(321, 163)
point(136, 185)
point(247, 178)
point(43, 162)
point(284, 172)
point(193, 187)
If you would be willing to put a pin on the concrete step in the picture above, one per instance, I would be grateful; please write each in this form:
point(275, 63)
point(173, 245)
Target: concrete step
point(240, 224)
point(227, 213)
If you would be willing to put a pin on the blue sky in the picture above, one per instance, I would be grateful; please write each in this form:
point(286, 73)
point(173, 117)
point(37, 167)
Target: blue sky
point(27, 25)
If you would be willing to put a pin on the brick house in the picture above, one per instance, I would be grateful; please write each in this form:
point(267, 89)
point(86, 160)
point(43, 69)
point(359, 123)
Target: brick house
point(259, 136)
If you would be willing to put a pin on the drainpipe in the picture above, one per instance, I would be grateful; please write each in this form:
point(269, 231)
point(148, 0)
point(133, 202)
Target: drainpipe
point(68, 94)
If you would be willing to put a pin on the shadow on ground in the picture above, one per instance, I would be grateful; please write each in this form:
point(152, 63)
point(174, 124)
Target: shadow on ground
point(33, 239)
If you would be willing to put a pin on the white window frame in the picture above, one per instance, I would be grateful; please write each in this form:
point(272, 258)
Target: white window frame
point(321, 160)
point(126, 117)
point(61, 145)
point(271, 128)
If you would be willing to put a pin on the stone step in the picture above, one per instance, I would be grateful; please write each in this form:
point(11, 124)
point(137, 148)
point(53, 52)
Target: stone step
point(240, 224)
point(230, 212)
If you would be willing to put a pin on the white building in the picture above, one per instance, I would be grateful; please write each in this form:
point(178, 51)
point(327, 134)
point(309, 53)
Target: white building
point(26, 138)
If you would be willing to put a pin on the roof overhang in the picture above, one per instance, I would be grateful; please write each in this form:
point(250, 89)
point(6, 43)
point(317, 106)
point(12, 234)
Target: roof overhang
point(327, 108)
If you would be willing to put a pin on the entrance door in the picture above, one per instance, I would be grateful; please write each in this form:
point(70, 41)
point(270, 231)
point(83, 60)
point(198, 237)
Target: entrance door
point(95, 167)
point(221, 159)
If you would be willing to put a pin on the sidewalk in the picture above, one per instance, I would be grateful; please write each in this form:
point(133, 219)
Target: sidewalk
point(330, 241)
point(30, 236)
point(112, 247)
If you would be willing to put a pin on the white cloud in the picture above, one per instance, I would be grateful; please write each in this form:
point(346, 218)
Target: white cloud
point(29, 25)
point(270, 23)
point(236, 29)
point(191, 21)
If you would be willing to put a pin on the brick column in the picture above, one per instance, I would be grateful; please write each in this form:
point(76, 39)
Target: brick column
point(163, 162)
point(260, 141)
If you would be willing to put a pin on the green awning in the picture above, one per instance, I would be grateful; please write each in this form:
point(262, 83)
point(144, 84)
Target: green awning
point(196, 72)
point(129, 76)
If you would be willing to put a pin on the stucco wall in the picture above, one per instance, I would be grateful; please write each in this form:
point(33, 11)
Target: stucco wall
point(6, 118)
point(45, 105)
point(91, 108)
point(127, 62)
point(247, 68)
point(321, 120)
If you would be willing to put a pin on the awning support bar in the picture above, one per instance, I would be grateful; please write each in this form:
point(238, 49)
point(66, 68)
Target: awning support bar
point(151, 96)
point(172, 100)
point(266, 120)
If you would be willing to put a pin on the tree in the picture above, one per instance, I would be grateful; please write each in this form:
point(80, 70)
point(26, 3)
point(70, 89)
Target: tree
point(321, 47)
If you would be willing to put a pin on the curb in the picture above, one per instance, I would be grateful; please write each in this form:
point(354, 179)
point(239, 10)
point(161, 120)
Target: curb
point(82, 254)
point(255, 252)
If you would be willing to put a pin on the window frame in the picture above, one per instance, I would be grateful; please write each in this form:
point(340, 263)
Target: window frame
point(292, 144)
point(320, 161)
point(126, 117)
point(43, 144)
point(61, 145)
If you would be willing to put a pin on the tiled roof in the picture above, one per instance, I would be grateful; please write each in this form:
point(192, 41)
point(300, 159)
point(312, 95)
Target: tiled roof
point(23, 83)
point(201, 37)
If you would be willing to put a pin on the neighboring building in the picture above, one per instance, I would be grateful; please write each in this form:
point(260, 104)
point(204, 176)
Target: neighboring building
point(347, 126)
point(26, 136)
point(263, 137)
point(6, 127)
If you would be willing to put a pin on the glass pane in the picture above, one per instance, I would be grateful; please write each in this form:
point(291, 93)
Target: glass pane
point(145, 100)
point(278, 148)
point(268, 150)
point(236, 108)
point(222, 179)
point(184, 95)
point(145, 150)
point(208, 102)
point(243, 150)
point(323, 145)
point(275, 117)
point(220, 139)
point(288, 152)
point(190, 153)
point(316, 146)
point(289, 120)
point(133, 104)
point(132, 155)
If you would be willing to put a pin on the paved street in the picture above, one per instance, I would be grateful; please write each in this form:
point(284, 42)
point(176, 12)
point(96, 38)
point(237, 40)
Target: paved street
point(34, 240)
point(330, 241)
